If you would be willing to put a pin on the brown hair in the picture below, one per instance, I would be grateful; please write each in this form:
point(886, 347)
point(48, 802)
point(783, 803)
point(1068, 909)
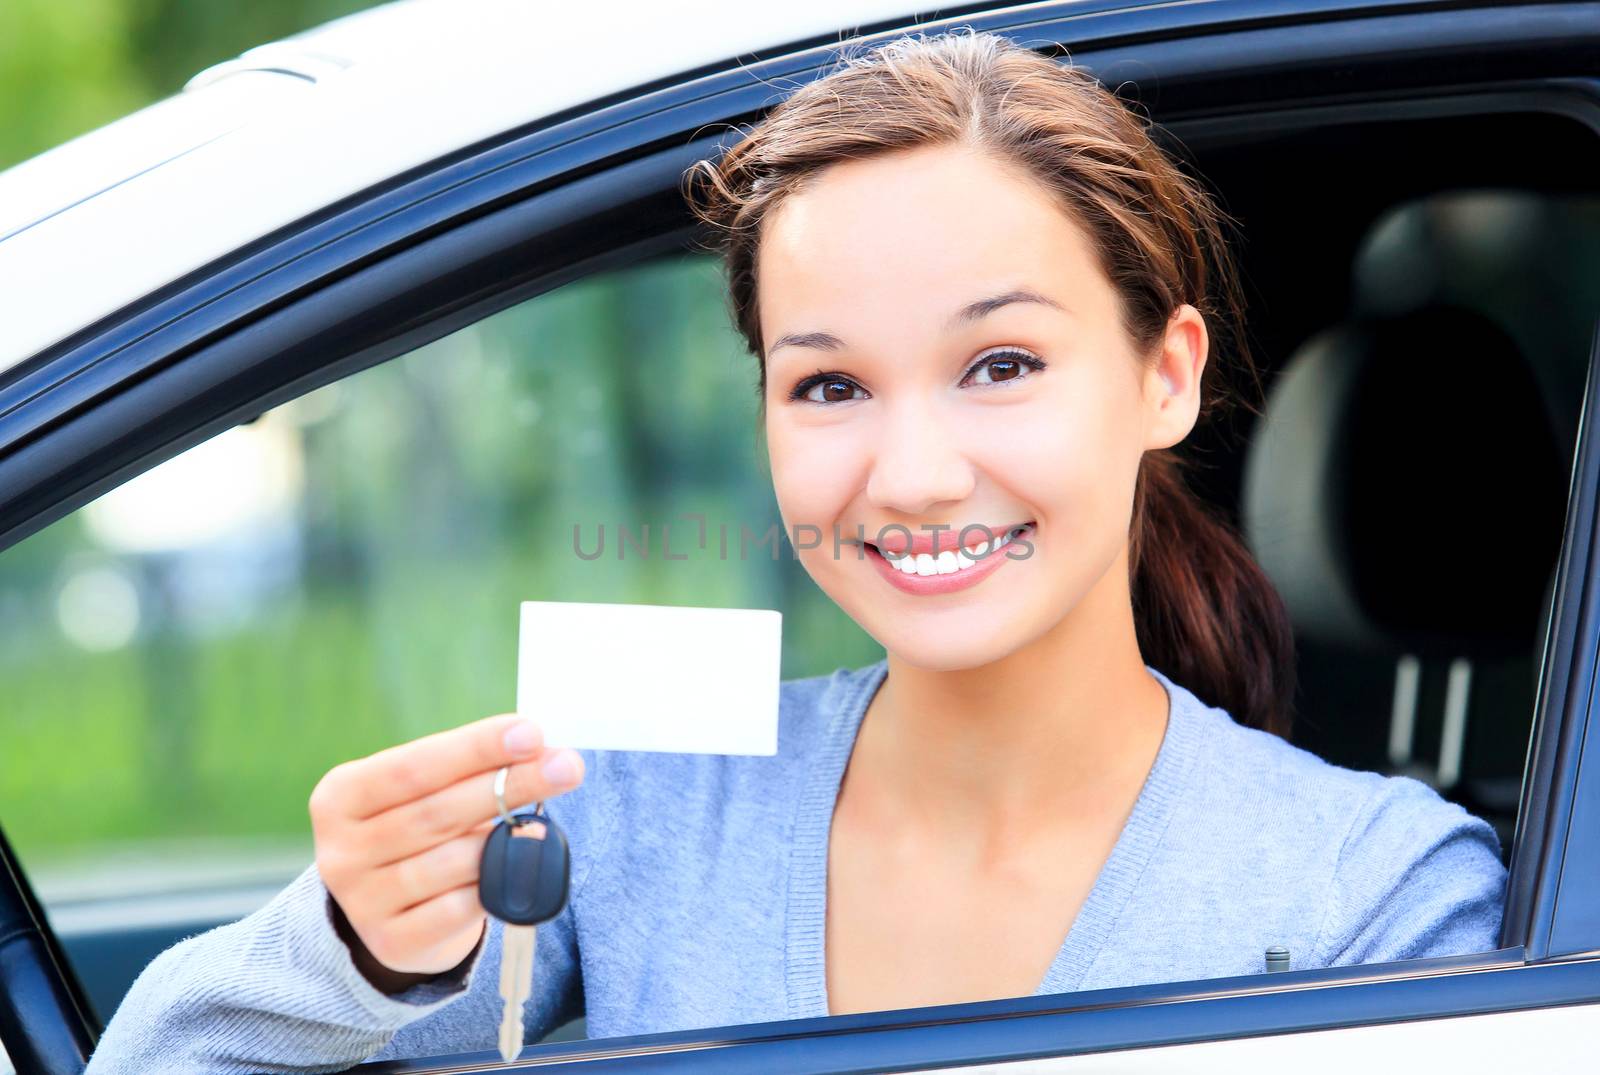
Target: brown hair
point(1204, 611)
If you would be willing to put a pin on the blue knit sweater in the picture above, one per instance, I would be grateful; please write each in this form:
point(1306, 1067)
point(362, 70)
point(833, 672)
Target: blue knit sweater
point(698, 884)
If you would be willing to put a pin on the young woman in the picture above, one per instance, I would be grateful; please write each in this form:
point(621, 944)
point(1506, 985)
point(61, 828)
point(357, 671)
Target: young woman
point(983, 304)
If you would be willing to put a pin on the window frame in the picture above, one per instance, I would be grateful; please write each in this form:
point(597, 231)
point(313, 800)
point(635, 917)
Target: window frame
point(1558, 894)
point(410, 261)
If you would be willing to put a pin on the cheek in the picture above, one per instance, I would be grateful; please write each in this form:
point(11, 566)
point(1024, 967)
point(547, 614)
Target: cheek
point(816, 470)
point(1069, 456)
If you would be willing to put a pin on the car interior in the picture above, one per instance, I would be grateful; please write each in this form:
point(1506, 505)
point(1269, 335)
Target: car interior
point(1423, 299)
point(1423, 290)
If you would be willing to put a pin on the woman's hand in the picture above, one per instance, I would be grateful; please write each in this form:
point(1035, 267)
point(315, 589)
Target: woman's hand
point(399, 836)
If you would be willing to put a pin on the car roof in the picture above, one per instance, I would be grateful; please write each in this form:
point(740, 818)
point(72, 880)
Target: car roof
point(286, 129)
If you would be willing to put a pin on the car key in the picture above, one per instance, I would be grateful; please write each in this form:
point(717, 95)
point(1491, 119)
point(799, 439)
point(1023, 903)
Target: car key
point(522, 880)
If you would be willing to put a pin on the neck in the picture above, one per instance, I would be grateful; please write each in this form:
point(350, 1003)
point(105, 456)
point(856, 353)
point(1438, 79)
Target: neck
point(1049, 737)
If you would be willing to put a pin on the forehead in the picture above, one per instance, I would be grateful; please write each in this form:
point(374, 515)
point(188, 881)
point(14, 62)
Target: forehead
point(917, 233)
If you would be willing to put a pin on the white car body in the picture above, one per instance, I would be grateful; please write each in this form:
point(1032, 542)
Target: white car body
point(258, 142)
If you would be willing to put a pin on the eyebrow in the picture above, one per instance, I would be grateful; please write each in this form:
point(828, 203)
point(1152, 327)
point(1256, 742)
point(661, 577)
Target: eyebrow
point(972, 311)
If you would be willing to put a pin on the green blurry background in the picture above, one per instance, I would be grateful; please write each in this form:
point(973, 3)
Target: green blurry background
point(185, 657)
point(69, 66)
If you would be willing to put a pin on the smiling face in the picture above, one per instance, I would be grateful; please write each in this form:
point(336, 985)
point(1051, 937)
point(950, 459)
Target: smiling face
point(943, 349)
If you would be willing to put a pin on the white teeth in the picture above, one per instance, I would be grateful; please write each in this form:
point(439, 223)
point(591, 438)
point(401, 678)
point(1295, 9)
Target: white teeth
point(949, 562)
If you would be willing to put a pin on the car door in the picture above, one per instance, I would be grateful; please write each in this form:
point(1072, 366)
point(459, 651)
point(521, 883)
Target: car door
point(593, 199)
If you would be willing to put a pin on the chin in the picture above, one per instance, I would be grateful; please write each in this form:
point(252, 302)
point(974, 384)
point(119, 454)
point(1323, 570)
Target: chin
point(939, 639)
point(940, 660)
point(960, 653)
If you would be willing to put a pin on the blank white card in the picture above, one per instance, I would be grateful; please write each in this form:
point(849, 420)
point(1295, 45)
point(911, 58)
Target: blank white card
point(651, 677)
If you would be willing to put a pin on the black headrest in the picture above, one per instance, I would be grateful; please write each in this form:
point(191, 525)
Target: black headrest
point(1404, 489)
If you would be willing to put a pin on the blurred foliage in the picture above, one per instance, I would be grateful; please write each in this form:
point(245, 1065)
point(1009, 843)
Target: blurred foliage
point(437, 491)
point(70, 66)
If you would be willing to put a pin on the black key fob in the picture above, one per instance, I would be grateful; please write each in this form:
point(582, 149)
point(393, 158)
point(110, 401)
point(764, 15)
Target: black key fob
point(523, 877)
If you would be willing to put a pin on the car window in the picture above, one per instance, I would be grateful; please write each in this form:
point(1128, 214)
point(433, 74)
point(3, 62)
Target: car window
point(193, 650)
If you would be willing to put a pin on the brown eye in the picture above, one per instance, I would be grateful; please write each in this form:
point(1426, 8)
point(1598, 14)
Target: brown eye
point(1002, 367)
point(826, 390)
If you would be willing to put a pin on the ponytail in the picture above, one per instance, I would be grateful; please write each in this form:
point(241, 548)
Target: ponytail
point(1204, 611)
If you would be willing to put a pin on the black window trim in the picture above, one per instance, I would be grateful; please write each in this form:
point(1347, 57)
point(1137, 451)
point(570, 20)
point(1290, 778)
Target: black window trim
point(384, 275)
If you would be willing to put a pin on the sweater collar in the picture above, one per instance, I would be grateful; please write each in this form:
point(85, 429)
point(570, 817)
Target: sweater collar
point(845, 701)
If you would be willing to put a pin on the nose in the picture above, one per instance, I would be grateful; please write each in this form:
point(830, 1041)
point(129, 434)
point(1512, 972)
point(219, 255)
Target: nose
point(919, 462)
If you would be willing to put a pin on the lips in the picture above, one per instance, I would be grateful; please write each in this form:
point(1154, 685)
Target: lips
point(893, 541)
point(949, 572)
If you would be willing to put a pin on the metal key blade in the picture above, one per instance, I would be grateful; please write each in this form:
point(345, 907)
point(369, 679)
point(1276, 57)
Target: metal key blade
point(516, 985)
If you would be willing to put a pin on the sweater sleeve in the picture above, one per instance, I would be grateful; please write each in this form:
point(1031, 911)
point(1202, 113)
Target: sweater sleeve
point(275, 991)
point(278, 990)
point(1418, 876)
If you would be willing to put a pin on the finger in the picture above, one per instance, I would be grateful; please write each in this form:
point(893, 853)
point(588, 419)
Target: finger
point(400, 886)
point(442, 916)
point(415, 826)
point(410, 771)
point(430, 928)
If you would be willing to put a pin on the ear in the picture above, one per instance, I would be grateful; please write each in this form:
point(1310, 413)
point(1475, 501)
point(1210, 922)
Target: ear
point(1172, 384)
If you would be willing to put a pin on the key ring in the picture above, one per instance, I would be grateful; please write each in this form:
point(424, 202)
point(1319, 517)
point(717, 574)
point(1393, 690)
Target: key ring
point(500, 796)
